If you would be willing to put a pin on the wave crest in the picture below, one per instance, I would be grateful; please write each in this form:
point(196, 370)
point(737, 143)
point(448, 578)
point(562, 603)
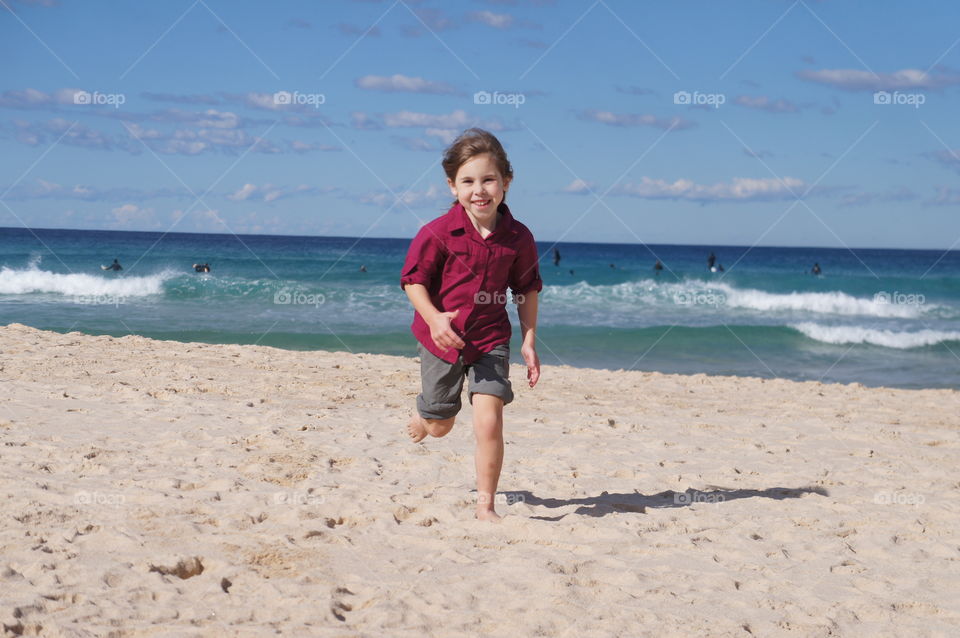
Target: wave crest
point(885, 338)
point(694, 292)
point(34, 280)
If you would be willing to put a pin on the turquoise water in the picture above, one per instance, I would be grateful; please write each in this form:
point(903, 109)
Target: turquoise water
point(878, 317)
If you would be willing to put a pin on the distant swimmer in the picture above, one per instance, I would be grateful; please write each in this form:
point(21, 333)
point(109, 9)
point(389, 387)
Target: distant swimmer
point(114, 266)
point(719, 267)
point(556, 257)
point(201, 267)
point(711, 260)
point(363, 268)
point(816, 269)
point(657, 267)
point(571, 271)
point(613, 266)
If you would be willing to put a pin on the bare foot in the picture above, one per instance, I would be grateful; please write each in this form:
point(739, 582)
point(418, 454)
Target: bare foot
point(488, 515)
point(416, 429)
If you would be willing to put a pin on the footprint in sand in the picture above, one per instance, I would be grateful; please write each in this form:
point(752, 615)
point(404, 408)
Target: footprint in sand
point(340, 604)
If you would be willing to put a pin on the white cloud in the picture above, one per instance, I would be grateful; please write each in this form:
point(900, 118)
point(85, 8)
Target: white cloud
point(495, 20)
point(456, 119)
point(69, 133)
point(270, 192)
point(857, 80)
point(264, 101)
point(48, 187)
point(430, 196)
point(631, 119)
point(43, 189)
point(244, 193)
point(298, 146)
point(446, 135)
point(143, 133)
point(579, 187)
point(403, 83)
point(218, 119)
point(946, 196)
point(35, 99)
point(739, 189)
point(130, 213)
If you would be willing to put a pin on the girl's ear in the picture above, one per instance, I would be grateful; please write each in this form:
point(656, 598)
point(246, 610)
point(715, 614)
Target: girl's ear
point(453, 189)
point(506, 183)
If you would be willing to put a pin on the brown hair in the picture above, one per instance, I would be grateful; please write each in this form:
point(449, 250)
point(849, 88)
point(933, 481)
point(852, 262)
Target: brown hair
point(470, 143)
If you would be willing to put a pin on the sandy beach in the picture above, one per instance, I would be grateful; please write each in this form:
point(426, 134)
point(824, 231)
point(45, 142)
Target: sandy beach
point(155, 488)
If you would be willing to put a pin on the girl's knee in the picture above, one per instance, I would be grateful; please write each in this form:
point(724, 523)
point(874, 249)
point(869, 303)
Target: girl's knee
point(489, 428)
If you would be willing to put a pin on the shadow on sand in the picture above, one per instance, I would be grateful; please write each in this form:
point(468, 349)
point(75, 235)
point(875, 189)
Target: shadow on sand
point(607, 503)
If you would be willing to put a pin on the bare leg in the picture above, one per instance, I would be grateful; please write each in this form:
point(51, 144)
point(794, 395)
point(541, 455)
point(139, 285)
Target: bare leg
point(419, 427)
point(488, 428)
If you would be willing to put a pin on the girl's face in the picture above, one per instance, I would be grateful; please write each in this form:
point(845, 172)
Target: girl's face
point(479, 187)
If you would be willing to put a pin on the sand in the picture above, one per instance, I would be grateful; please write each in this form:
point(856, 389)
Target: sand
point(155, 488)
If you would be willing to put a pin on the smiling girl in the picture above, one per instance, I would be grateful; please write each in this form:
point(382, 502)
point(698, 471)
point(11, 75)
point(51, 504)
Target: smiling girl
point(456, 274)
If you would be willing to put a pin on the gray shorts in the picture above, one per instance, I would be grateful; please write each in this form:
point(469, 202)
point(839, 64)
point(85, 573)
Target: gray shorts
point(443, 382)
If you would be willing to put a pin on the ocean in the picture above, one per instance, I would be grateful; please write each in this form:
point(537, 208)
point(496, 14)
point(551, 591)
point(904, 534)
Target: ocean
point(878, 317)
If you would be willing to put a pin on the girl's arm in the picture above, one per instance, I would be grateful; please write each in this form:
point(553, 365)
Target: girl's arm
point(527, 310)
point(440, 330)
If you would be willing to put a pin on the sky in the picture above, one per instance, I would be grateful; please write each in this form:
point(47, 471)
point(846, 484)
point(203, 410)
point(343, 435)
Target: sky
point(769, 122)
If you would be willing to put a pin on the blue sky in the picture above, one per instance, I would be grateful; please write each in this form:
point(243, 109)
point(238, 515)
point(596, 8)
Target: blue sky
point(770, 122)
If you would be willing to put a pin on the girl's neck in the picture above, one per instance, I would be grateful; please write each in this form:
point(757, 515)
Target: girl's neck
point(486, 225)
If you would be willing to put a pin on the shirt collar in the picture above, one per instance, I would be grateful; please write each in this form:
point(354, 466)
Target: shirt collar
point(459, 219)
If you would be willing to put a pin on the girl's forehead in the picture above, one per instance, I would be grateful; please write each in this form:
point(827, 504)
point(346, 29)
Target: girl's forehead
point(481, 163)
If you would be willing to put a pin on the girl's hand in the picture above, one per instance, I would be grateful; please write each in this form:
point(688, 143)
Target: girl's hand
point(533, 363)
point(442, 333)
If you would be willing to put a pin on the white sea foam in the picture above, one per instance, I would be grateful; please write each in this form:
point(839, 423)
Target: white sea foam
point(839, 303)
point(33, 280)
point(722, 295)
point(885, 338)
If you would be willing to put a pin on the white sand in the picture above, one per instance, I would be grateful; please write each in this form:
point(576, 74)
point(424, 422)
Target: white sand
point(164, 489)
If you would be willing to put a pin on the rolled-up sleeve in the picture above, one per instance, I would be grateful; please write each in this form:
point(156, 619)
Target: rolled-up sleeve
point(424, 259)
point(525, 273)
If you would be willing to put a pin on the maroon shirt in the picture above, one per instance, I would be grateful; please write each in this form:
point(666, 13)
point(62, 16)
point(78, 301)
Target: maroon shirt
point(460, 269)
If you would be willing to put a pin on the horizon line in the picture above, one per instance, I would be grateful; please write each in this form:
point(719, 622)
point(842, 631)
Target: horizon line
point(539, 241)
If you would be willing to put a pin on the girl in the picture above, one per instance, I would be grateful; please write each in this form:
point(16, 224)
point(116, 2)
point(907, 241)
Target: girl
point(456, 275)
